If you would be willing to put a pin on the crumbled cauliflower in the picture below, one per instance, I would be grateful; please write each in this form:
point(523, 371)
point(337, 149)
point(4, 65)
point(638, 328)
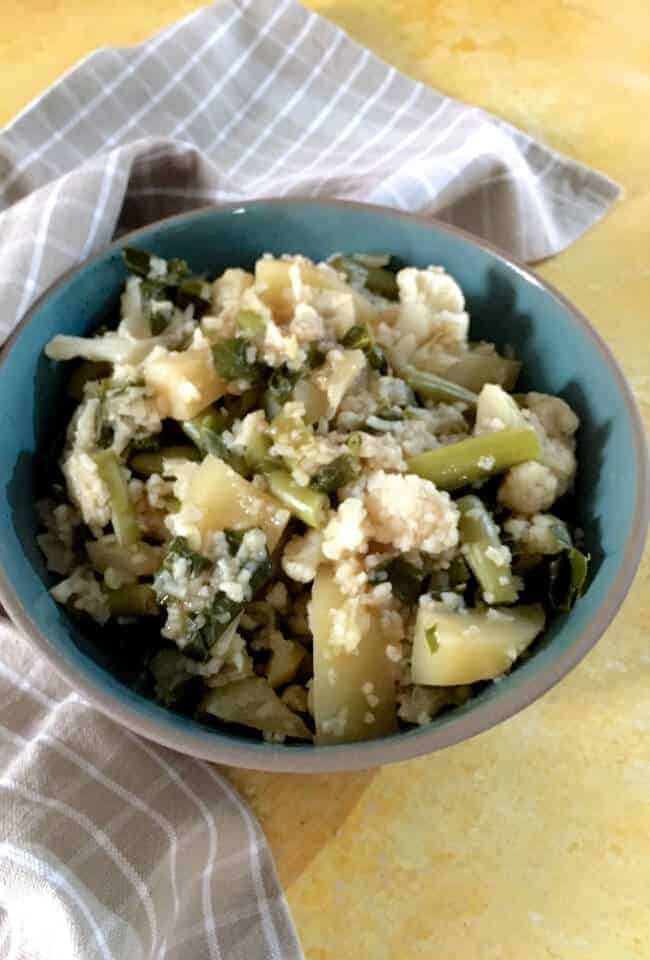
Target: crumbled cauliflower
point(528, 488)
point(61, 522)
point(87, 490)
point(82, 591)
point(302, 556)
point(303, 451)
point(346, 532)
point(409, 513)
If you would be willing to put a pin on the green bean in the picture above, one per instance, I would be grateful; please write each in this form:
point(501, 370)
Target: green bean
point(432, 387)
point(308, 505)
point(478, 534)
point(122, 511)
point(477, 458)
point(133, 600)
point(147, 463)
point(231, 361)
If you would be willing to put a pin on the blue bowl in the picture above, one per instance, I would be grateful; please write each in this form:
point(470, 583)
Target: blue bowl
point(561, 353)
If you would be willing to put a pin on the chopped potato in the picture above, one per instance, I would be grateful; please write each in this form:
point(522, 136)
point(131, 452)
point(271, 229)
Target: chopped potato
point(184, 382)
point(456, 647)
point(354, 692)
point(225, 501)
point(279, 295)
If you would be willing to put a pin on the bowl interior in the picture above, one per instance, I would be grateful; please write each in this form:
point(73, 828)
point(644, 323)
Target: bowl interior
point(507, 306)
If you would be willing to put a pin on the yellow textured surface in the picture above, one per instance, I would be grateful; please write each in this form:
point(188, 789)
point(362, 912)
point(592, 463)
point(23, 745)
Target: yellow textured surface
point(531, 842)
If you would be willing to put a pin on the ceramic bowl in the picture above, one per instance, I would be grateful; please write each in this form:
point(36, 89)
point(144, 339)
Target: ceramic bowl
point(561, 352)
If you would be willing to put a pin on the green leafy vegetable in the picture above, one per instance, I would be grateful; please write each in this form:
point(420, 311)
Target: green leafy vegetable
point(377, 359)
point(405, 578)
point(205, 432)
point(357, 338)
point(179, 547)
point(335, 474)
point(232, 363)
point(431, 636)
point(279, 390)
point(170, 676)
point(567, 576)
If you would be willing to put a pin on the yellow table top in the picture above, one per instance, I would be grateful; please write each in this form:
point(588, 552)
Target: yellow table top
point(532, 841)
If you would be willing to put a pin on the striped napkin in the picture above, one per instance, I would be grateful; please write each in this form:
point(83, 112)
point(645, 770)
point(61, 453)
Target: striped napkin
point(111, 846)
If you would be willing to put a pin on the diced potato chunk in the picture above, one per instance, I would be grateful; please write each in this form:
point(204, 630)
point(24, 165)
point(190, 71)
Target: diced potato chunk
point(453, 648)
point(139, 560)
point(272, 276)
point(354, 692)
point(313, 399)
point(253, 703)
point(225, 501)
point(183, 383)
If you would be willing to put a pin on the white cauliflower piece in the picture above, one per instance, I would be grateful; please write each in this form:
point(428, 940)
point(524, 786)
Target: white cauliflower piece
point(82, 591)
point(302, 555)
point(528, 488)
point(429, 329)
point(347, 531)
point(535, 534)
point(410, 513)
point(556, 425)
point(307, 324)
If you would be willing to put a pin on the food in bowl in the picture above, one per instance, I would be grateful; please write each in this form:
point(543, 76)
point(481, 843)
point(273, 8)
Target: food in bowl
point(323, 501)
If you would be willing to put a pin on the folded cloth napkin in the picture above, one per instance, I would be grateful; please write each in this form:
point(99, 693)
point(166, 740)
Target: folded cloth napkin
point(111, 846)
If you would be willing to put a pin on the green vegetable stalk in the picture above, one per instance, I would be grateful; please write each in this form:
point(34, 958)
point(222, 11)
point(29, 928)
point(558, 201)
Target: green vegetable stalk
point(432, 387)
point(479, 536)
point(477, 458)
point(123, 516)
point(310, 506)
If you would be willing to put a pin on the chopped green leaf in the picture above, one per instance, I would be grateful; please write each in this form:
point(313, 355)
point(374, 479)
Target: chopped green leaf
point(232, 363)
point(377, 359)
point(357, 338)
point(279, 390)
point(179, 547)
point(315, 356)
point(405, 578)
point(431, 636)
point(334, 475)
point(567, 574)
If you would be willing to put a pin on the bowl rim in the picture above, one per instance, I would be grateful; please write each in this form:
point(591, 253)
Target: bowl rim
point(217, 747)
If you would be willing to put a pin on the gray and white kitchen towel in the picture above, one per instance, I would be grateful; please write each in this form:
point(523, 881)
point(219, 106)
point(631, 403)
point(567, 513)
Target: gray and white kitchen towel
point(110, 846)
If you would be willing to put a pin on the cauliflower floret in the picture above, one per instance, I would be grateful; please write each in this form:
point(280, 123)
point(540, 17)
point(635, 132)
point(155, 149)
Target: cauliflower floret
point(227, 293)
point(528, 488)
point(556, 424)
point(58, 543)
point(302, 556)
point(410, 513)
point(535, 535)
point(429, 329)
point(87, 490)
